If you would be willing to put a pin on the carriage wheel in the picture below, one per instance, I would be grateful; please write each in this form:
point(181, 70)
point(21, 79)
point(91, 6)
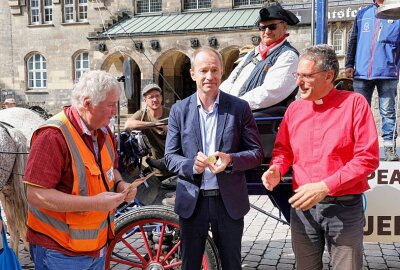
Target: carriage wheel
point(148, 238)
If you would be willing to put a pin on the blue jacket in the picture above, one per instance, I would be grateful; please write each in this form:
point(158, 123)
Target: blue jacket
point(236, 134)
point(374, 46)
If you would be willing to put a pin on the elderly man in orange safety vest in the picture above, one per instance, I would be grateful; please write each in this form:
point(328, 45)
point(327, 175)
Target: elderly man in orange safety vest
point(73, 185)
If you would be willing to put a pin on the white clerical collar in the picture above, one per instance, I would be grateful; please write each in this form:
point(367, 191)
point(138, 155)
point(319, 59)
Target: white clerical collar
point(319, 101)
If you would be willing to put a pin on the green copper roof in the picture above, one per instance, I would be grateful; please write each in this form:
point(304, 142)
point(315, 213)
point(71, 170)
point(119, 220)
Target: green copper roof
point(185, 22)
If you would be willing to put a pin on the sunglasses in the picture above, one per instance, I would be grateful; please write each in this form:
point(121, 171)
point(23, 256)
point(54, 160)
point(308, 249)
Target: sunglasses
point(271, 27)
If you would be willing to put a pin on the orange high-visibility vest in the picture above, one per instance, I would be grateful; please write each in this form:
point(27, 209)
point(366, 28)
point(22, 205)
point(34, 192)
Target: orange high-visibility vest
point(79, 231)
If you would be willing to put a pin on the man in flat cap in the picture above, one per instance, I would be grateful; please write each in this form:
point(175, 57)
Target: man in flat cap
point(264, 77)
point(9, 103)
point(153, 112)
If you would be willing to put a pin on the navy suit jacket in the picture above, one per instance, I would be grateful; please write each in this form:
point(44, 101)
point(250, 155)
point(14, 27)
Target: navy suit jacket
point(237, 134)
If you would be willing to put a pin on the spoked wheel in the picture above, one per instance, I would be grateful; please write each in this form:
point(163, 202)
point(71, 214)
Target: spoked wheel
point(148, 238)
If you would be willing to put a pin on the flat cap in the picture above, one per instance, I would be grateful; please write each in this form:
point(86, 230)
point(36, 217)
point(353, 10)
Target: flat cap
point(150, 87)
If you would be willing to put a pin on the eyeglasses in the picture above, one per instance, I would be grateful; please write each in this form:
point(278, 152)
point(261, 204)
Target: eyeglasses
point(271, 27)
point(153, 97)
point(306, 76)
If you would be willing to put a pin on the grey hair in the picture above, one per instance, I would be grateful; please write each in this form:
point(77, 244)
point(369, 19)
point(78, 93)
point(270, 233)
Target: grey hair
point(206, 49)
point(323, 56)
point(95, 85)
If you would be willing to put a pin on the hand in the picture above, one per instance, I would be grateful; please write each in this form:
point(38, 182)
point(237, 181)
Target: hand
point(200, 163)
point(222, 162)
point(349, 72)
point(130, 193)
point(271, 177)
point(106, 201)
point(165, 129)
point(309, 195)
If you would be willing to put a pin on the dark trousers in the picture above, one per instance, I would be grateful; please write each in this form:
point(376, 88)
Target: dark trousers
point(226, 232)
point(338, 225)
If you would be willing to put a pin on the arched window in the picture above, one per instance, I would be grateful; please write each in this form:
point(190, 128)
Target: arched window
point(243, 3)
point(337, 41)
point(81, 65)
point(37, 74)
point(196, 4)
point(148, 6)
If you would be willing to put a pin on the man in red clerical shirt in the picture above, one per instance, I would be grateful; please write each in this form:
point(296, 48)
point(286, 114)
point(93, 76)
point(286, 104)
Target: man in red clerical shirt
point(329, 138)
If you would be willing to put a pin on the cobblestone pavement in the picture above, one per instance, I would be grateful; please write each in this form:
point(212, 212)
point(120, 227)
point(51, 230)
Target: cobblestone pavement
point(266, 245)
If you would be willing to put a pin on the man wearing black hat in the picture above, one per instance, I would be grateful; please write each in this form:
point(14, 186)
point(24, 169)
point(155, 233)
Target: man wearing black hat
point(264, 77)
point(144, 119)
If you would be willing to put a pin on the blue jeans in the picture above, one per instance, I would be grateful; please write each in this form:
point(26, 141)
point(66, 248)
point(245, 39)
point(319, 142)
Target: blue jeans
point(49, 259)
point(339, 226)
point(387, 92)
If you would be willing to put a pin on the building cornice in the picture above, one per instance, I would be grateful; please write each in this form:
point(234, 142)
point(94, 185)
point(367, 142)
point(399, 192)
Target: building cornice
point(16, 6)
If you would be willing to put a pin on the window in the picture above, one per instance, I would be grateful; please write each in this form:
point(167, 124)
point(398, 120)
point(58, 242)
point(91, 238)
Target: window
point(242, 3)
point(196, 4)
point(148, 6)
point(83, 7)
point(81, 65)
point(48, 11)
point(37, 75)
point(68, 10)
point(41, 11)
point(75, 11)
point(337, 41)
point(35, 12)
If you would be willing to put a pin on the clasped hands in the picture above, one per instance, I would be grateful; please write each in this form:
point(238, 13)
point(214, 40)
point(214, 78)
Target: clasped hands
point(202, 162)
point(305, 197)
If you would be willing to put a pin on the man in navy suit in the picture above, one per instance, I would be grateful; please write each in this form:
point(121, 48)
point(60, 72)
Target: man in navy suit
point(212, 139)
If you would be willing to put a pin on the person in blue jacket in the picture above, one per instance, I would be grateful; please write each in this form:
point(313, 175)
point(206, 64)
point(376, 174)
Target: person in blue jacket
point(373, 60)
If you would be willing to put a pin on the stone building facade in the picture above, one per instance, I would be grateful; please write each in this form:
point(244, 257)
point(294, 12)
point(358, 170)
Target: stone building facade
point(47, 44)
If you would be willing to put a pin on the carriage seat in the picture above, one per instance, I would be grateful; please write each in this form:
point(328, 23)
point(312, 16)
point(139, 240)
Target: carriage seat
point(268, 121)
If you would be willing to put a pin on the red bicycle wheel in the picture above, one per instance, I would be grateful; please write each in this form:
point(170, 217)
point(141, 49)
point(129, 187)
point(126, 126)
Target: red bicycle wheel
point(148, 238)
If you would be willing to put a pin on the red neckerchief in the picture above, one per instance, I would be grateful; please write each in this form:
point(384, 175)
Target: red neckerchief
point(264, 49)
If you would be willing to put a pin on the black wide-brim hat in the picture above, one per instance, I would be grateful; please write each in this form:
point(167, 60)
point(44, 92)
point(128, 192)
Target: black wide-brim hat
point(276, 12)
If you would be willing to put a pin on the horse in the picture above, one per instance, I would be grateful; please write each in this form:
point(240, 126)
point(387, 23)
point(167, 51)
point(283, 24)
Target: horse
point(16, 128)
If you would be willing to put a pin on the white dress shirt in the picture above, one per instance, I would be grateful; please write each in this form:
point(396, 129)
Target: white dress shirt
point(278, 84)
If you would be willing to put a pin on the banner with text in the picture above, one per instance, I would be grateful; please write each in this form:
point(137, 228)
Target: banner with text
point(382, 204)
point(335, 14)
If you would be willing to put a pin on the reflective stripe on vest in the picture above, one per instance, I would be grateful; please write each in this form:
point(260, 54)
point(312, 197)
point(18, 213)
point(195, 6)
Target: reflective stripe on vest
point(110, 150)
point(81, 234)
point(80, 167)
point(79, 231)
